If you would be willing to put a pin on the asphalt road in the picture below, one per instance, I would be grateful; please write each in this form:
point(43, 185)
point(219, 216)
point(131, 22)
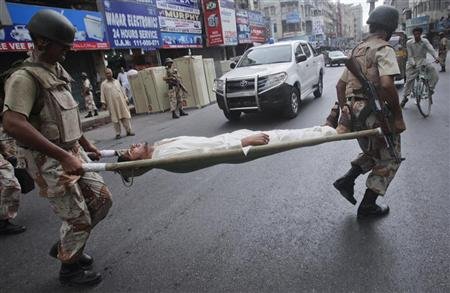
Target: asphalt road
point(271, 225)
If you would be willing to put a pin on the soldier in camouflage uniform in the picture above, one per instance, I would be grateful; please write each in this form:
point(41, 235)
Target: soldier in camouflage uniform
point(9, 187)
point(175, 89)
point(378, 62)
point(41, 114)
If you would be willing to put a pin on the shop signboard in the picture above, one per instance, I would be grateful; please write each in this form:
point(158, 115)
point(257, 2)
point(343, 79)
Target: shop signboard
point(180, 25)
point(243, 26)
point(258, 31)
point(189, 6)
point(213, 26)
point(89, 34)
point(131, 23)
point(292, 17)
point(228, 18)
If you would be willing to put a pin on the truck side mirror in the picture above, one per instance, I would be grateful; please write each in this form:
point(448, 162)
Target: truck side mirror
point(300, 58)
point(232, 65)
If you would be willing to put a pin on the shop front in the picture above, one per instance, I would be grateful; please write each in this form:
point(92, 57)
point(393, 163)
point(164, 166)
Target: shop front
point(87, 52)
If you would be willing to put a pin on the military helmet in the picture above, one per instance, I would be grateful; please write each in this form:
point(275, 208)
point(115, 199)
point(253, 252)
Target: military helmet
point(385, 16)
point(53, 26)
point(168, 60)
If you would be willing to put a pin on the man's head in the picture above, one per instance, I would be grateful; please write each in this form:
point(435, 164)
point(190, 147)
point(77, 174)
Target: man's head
point(417, 33)
point(441, 35)
point(122, 69)
point(140, 151)
point(52, 35)
point(168, 62)
point(109, 74)
point(383, 19)
point(84, 75)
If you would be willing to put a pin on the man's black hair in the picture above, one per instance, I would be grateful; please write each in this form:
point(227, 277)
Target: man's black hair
point(122, 158)
point(417, 29)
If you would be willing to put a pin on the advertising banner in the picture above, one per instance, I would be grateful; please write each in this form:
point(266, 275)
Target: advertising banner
point(178, 40)
point(179, 22)
point(228, 19)
point(243, 27)
point(132, 23)
point(189, 6)
point(258, 32)
point(89, 24)
point(211, 15)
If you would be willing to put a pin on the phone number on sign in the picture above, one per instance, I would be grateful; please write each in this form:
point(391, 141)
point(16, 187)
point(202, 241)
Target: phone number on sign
point(146, 43)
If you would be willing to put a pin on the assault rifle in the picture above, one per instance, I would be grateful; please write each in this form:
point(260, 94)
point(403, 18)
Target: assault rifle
point(381, 111)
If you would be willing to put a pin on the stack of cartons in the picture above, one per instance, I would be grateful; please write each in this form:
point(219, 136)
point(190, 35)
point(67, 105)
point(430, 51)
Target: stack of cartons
point(158, 87)
point(192, 73)
point(210, 75)
point(141, 102)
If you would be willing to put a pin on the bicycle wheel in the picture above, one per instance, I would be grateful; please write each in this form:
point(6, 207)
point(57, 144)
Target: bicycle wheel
point(423, 97)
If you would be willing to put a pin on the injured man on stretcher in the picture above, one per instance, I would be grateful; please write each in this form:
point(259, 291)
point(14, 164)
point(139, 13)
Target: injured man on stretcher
point(241, 139)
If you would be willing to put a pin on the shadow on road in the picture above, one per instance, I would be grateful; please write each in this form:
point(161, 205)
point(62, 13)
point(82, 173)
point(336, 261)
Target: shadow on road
point(264, 120)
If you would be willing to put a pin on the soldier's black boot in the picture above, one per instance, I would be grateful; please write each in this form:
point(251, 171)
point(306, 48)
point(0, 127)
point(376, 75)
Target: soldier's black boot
point(346, 183)
point(404, 101)
point(182, 113)
point(174, 115)
point(85, 261)
point(74, 275)
point(95, 112)
point(88, 115)
point(8, 228)
point(369, 207)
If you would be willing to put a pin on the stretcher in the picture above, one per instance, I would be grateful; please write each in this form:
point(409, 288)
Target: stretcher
point(190, 163)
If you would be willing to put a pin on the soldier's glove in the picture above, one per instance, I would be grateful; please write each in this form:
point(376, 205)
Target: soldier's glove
point(12, 160)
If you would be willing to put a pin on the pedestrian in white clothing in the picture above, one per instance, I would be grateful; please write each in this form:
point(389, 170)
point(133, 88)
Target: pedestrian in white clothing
point(122, 77)
point(418, 48)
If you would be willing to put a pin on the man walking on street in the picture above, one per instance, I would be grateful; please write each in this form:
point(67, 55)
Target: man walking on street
point(86, 91)
point(42, 115)
point(114, 99)
point(379, 64)
point(122, 77)
point(175, 89)
point(443, 48)
point(418, 48)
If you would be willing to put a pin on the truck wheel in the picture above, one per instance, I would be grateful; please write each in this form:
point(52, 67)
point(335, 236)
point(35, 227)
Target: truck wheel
point(233, 116)
point(293, 104)
point(318, 92)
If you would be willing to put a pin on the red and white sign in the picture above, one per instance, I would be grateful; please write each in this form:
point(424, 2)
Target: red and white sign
point(213, 25)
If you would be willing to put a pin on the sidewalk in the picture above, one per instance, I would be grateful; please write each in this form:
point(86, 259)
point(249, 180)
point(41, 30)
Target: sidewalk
point(95, 121)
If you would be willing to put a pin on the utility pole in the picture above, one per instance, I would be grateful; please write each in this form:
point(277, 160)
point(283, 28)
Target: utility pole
point(372, 5)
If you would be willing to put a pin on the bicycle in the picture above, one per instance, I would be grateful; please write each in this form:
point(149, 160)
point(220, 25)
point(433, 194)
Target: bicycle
point(421, 91)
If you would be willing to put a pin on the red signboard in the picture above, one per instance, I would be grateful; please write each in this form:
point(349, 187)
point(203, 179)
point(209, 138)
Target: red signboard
point(258, 34)
point(213, 24)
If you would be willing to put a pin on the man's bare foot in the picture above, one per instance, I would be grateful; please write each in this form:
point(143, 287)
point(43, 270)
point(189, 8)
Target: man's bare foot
point(255, 139)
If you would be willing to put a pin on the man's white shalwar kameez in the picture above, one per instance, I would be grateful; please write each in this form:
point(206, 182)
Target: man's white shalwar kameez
point(192, 145)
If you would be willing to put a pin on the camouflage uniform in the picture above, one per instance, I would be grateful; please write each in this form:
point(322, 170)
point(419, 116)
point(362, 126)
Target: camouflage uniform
point(376, 58)
point(80, 201)
point(175, 91)
point(9, 186)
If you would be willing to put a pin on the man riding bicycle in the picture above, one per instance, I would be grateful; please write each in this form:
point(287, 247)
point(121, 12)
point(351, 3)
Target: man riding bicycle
point(418, 48)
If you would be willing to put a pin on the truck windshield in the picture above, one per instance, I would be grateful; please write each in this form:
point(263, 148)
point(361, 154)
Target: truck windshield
point(266, 55)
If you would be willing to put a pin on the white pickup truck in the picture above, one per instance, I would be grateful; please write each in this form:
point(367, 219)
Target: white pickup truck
point(276, 76)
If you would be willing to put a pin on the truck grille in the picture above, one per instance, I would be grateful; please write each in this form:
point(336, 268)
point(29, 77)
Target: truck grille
point(244, 85)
